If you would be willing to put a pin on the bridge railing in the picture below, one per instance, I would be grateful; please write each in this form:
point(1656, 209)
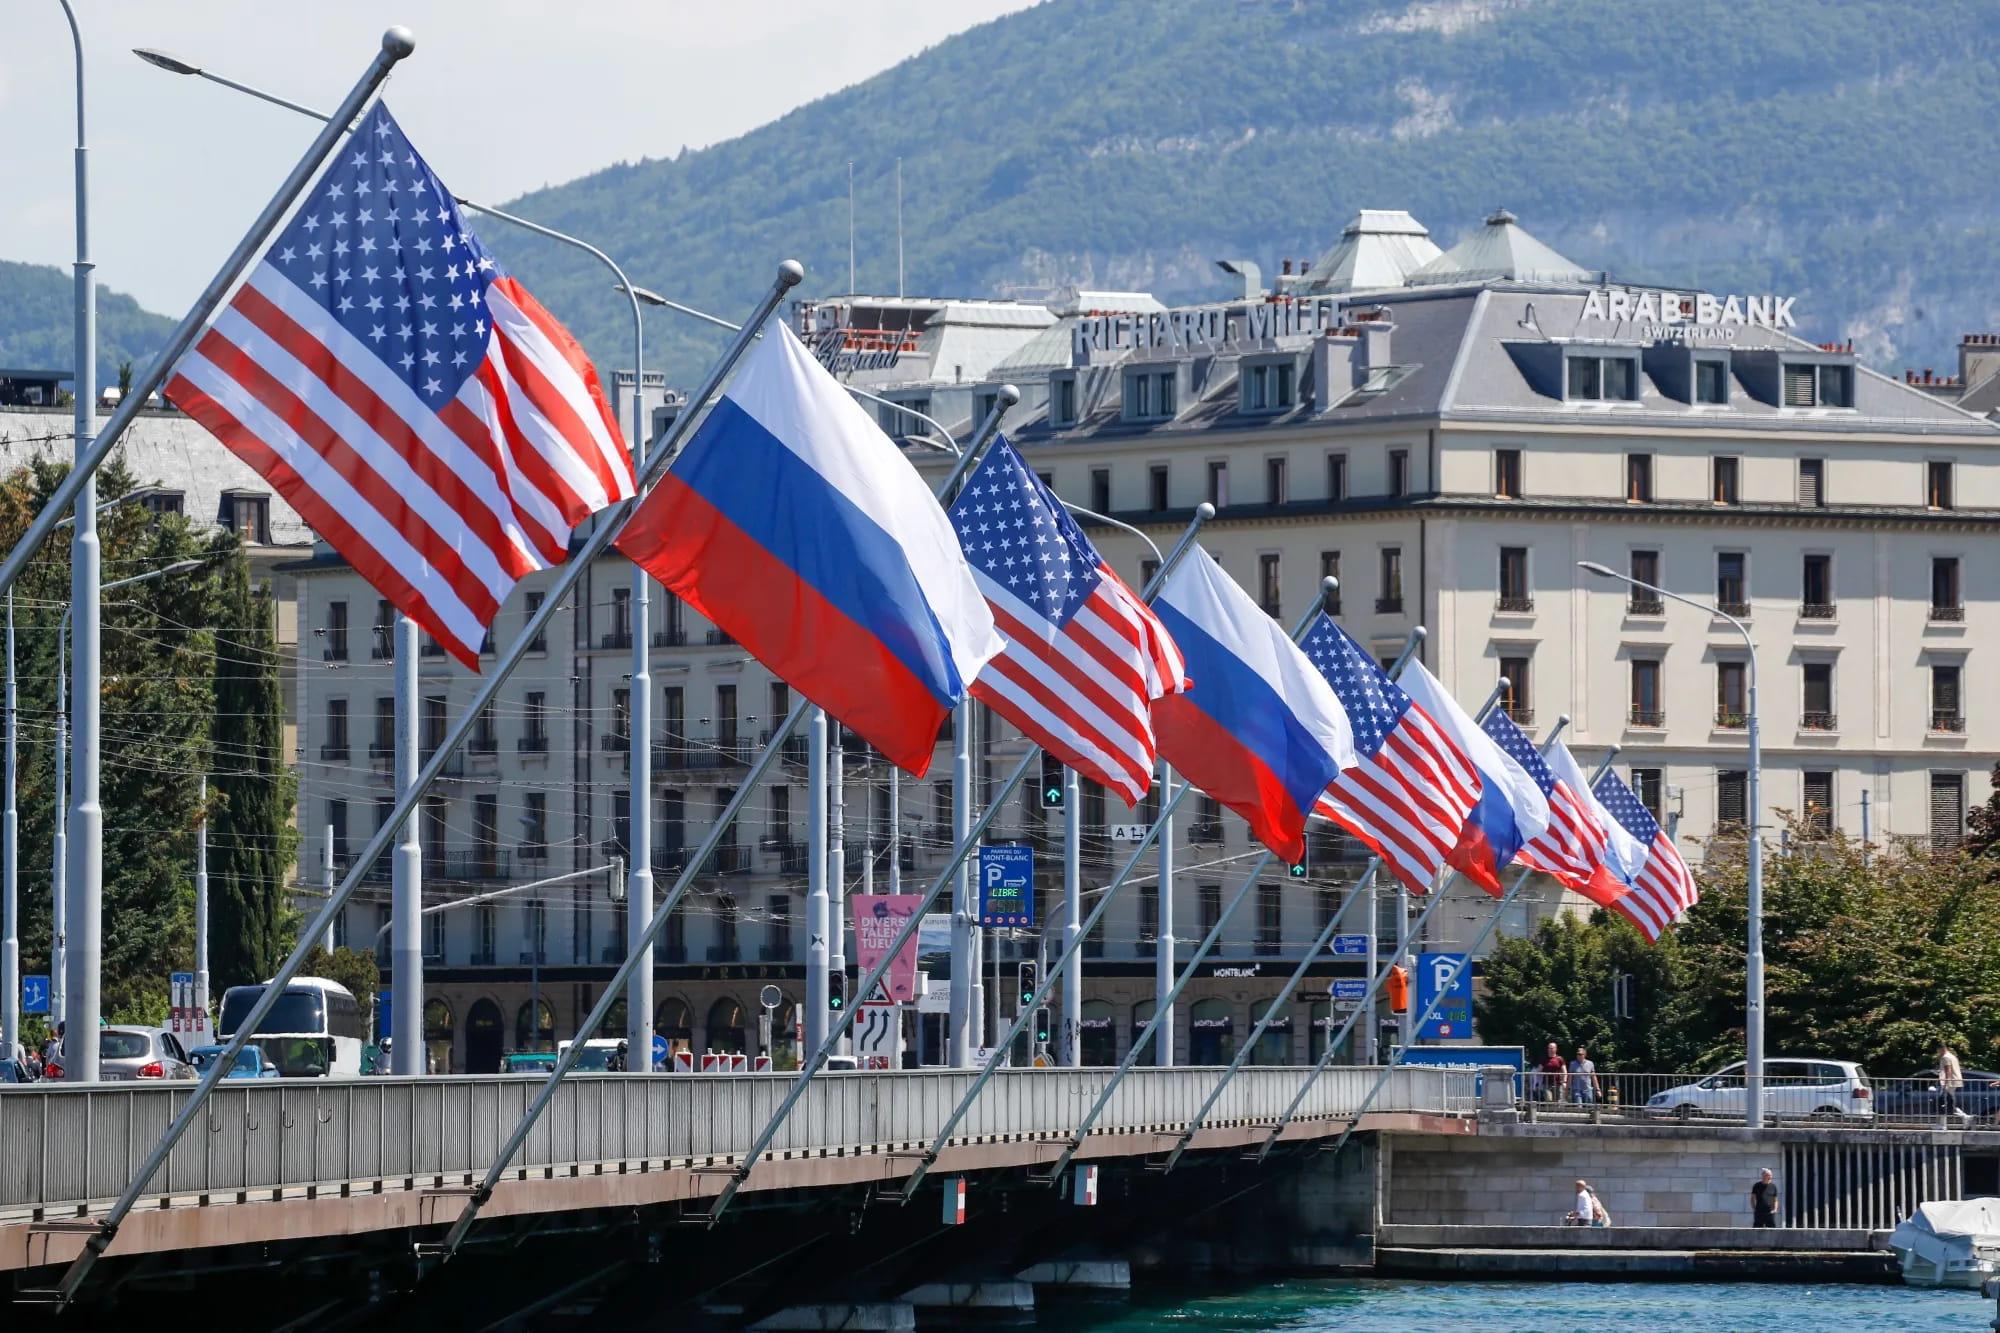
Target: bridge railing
point(1823, 1094)
point(62, 1146)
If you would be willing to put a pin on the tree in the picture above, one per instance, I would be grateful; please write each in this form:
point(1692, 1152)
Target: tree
point(251, 792)
point(352, 968)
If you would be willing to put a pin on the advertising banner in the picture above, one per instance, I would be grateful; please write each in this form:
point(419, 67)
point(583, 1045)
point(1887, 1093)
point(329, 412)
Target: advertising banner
point(878, 918)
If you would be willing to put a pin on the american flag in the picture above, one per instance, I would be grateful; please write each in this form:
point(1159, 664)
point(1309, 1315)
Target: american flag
point(1662, 889)
point(1571, 848)
point(1085, 658)
point(1410, 796)
point(410, 400)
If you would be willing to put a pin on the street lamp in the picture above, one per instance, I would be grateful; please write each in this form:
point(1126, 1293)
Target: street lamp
point(1753, 1002)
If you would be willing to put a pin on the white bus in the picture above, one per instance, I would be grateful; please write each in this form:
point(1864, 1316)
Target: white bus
point(314, 1030)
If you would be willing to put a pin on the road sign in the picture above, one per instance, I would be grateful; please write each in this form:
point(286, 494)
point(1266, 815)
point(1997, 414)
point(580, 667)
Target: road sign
point(1350, 946)
point(770, 997)
point(1129, 832)
point(180, 1000)
point(385, 1013)
point(1350, 988)
point(659, 1051)
point(1449, 975)
point(1007, 885)
point(34, 995)
point(878, 1036)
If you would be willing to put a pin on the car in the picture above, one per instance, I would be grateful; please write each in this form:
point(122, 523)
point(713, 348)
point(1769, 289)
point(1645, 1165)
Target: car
point(1795, 1087)
point(1916, 1096)
point(127, 1052)
point(250, 1062)
point(535, 1062)
point(16, 1071)
point(599, 1055)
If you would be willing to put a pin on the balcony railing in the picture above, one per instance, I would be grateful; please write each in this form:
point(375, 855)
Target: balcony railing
point(1816, 610)
point(334, 753)
point(617, 638)
point(616, 742)
point(1948, 615)
point(1388, 606)
point(669, 860)
point(718, 638)
point(1817, 719)
point(791, 856)
point(1521, 605)
point(729, 861)
point(1648, 717)
point(1731, 719)
point(1523, 716)
point(468, 863)
point(724, 953)
point(384, 647)
point(1645, 606)
point(1740, 610)
point(793, 751)
point(670, 638)
point(532, 745)
point(430, 648)
point(454, 767)
point(484, 745)
point(1205, 831)
point(1948, 720)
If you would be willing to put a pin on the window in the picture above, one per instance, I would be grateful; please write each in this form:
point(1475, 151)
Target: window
point(1724, 473)
point(1732, 800)
point(1062, 404)
point(1275, 490)
point(1268, 387)
point(1800, 386)
point(1515, 695)
point(1149, 918)
point(535, 723)
point(1514, 595)
point(1218, 483)
point(1156, 487)
point(1597, 378)
point(486, 834)
point(907, 417)
point(1947, 810)
point(383, 745)
point(778, 930)
point(384, 648)
point(336, 632)
point(1270, 919)
point(1647, 710)
point(1946, 601)
point(1731, 588)
point(1836, 386)
point(1148, 571)
point(1390, 601)
point(1816, 802)
point(1336, 477)
point(1937, 485)
point(1818, 386)
point(336, 831)
point(434, 936)
point(1207, 825)
point(431, 725)
point(1816, 588)
point(1812, 482)
point(1645, 567)
point(1730, 696)
point(779, 697)
point(1947, 700)
point(1711, 382)
point(673, 714)
point(1649, 786)
point(1100, 489)
point(483, 741)
point(535, 825)
point(621, 721)
point(983, 404)
point(162, 503)
point(531, 606)
point(1267, 583)
point(1329, 568)
point(1149, 395)
point(1208, 908)
point(248, 516)
point(1638, 478)
point(727, 916)
point(486, 932)
point(1507, 473)
point(1399, 472)
point(620, 634)
point(335, 746)
point(1816, 697)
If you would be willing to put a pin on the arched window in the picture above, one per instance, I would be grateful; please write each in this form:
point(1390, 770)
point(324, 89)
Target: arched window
point(785, 1035)
point(438, 1032)
point(530, 1035)
point(1211, 1033)
point(1142, 1014)
point(485, 1034)
point(1274, 1047)
point(725, 1028)
point(1100, 1033)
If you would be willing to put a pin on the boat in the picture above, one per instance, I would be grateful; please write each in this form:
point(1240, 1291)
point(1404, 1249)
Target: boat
point(1949, 1243)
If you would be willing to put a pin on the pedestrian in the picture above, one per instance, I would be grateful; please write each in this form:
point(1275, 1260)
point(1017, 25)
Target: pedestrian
point(1549, 1076)
point(1764, 1200)
point(1585, 1209)
point(52, 1047)
point(1582, 1078)
point(1950, 1079)
point(1599, 1215)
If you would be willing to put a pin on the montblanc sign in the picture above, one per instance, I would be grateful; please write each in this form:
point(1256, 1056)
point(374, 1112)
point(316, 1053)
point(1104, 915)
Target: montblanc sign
point(1203, 327)
point(1688, 316)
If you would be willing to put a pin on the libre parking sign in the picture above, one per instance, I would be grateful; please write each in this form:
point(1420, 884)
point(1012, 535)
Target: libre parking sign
point(1007, 885)
point(1448, 974)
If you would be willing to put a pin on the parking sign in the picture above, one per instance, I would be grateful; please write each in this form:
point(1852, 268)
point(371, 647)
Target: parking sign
point(1007, 885)
point(1449, 975)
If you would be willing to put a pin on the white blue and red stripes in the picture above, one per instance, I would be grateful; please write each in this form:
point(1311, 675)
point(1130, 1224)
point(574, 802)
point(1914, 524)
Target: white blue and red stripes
point(415, 405)
point(1412, 791)
point(796, 525)
point(1646, 859)
point(1511, 811)
point(1571, 848)
point(1260, 730)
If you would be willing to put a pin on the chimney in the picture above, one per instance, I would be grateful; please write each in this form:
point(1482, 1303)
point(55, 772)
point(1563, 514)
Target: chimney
point(1978, 357)
point(1374, 345)
point(1250, 277)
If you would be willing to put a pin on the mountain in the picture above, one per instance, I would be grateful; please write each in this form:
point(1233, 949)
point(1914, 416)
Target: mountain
point(36, 301)
point(1818, 148)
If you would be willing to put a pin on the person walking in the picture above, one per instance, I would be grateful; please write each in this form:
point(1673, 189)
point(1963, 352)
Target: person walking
point(1549, 1076)
point(1582, 1079)
point(1585, 1210)
point(1950, 1079)
point(52, 1047)
point(1764, 1200)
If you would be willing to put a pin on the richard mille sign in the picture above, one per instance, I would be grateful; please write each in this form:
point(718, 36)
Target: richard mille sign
point(1203, 326)
point(1688, 316)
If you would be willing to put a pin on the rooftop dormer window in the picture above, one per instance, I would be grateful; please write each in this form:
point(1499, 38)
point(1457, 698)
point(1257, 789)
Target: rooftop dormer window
point(1269, 386)
point(1809, 384)
point(1151, 394)
point(1600, 378)
point(1711, 381)
point(1062, 400)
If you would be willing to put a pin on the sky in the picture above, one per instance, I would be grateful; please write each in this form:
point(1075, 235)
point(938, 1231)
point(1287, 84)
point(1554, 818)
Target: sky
point(502, 96)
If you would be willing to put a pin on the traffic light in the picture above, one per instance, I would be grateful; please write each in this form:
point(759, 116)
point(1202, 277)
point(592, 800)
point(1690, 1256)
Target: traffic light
point(836, 991)
point(1030, 981)
point(1042, 1026)
point(1399, 990)
point(1052, 782)
point(1299, 870)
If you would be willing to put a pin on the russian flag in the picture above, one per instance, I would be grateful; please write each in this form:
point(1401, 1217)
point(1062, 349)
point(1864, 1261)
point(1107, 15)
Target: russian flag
point(1260, 730)
point(1512, 809)
point(798, 527)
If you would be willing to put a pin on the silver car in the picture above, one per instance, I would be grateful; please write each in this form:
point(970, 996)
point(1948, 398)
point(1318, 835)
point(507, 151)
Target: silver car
point(135, 1052)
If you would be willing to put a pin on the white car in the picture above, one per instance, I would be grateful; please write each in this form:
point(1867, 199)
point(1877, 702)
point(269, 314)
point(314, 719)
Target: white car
point(1823, 1089)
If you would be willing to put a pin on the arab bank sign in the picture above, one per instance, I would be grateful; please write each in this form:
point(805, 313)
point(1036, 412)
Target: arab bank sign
point(1665, 316)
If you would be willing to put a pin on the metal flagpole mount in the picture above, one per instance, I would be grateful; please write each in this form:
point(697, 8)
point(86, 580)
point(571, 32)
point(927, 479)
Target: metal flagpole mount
point(610, 520)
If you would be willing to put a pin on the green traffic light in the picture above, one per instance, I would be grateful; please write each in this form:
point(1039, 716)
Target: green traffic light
point(1299, 870)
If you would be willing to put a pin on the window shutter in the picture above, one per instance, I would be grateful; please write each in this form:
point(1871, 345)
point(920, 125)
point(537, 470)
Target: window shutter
point(1799, 387)
point(1809, 483)
point(1730, 797)
point(1947, 810)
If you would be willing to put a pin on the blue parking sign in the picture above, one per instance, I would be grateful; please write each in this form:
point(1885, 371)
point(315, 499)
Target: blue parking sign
point(1450, 975)
point(34, 995)
point(1007, 885)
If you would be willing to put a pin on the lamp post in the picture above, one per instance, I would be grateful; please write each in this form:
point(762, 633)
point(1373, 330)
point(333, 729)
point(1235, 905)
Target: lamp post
point(1753, 1001)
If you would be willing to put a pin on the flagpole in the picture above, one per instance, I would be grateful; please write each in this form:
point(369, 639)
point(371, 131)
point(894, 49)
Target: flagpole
point(1072, 917)
point(1435, 899)
point(607, 526)
point(1164, 987)
point(817, 953)
point(397, 43)
point(406, 871)
point(1485, 933)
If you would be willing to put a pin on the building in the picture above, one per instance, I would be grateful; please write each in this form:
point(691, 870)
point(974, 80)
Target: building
point(1448, 431)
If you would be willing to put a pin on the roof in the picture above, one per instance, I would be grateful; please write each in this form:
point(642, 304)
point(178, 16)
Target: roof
point(1380, 248)
point(1500, 251)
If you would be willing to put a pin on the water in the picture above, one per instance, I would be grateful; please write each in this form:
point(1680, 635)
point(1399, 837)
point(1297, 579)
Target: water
point(1535, 1307)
